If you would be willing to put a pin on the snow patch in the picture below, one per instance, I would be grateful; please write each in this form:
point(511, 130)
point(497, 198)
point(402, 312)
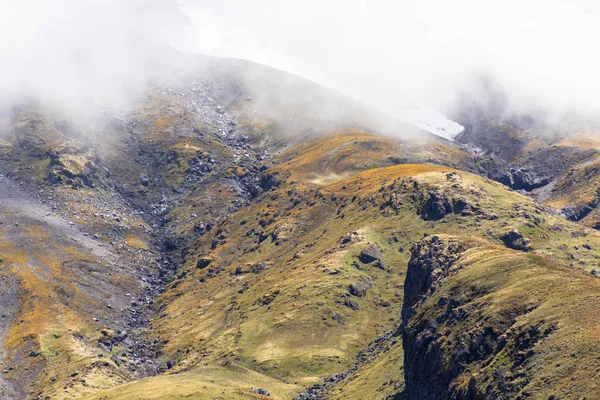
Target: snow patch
point(431, 121)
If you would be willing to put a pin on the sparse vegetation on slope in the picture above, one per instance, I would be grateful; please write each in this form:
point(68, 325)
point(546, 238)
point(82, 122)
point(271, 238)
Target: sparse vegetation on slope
point(220, 244)
point(481, 321)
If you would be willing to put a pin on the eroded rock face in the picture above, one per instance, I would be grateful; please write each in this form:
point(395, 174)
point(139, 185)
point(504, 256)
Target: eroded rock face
point(517, 178)
point(74, 163)
point(431, 261)
point(447, 342)
point(439, 205)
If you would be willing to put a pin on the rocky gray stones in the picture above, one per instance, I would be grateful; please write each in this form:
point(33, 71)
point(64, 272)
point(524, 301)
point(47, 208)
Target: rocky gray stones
point(370, 254)
point(438, 205)
point(352, 304)
point(435, 207)
point(359, 289)
point(261, 391)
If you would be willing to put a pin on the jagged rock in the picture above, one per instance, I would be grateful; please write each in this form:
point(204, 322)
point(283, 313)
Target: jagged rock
point(435, 207)
point(516, 178)
point(431, 260)
point(359, 289)
point(515, 240)
point(439, 205)
point(371, 253)
point(352, 304)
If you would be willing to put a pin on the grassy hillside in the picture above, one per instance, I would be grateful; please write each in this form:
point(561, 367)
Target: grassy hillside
point(279, 287)
point(491, 322)
point(217, 242)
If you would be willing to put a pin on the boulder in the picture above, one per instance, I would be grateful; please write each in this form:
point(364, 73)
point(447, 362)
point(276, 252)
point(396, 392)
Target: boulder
point(370, 254)
point(359, 289)
point(514, 239)
point(261, 391)
point(351, 304)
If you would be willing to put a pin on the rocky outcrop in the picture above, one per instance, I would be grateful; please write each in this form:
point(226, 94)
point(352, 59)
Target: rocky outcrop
point(514, 239)
point(438, 205)
point(360, 288)
point(74, 163)
point(517, 178)
point(431, 261)
point(370, 254)
point(450, 339)
point(580, 211)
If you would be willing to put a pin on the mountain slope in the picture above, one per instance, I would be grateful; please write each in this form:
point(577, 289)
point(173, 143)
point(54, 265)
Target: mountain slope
point(482, 321)
point(238, 231)
point(273, 287)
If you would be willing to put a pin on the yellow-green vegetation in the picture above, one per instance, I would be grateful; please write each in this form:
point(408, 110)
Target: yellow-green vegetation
point(53, 341)
point(381, 378)
point(288, 263)
point(202, 383)
point(268, 290)
point(528, 323)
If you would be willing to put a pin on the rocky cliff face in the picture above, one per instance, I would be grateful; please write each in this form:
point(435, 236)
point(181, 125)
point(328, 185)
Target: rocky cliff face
point(471, 330)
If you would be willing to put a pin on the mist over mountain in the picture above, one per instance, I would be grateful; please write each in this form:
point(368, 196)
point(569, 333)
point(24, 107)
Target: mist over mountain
point(414, 54)
point(308, 200)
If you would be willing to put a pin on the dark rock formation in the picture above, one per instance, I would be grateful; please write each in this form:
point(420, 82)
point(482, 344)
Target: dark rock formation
point(577, 213)
point(447, 344)
point(359, 289)
point(515, 240)
point(517, 178)
point(370, 254)
point(352, 304)
point(431, 260)
point(438, 205)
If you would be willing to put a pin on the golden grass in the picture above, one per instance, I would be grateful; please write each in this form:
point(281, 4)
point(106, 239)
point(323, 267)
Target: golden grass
point(202, 383)
point(560, 297)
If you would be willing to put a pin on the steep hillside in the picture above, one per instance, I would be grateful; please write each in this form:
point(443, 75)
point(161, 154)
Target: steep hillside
point(97, 218)
point(481, 321)
point(238, 232)
point(304, 282)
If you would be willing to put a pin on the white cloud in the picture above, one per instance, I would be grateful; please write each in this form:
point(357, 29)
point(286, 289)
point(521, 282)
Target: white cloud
point(389, 53)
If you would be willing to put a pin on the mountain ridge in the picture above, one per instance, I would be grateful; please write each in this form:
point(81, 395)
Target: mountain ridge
point(225, 240)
